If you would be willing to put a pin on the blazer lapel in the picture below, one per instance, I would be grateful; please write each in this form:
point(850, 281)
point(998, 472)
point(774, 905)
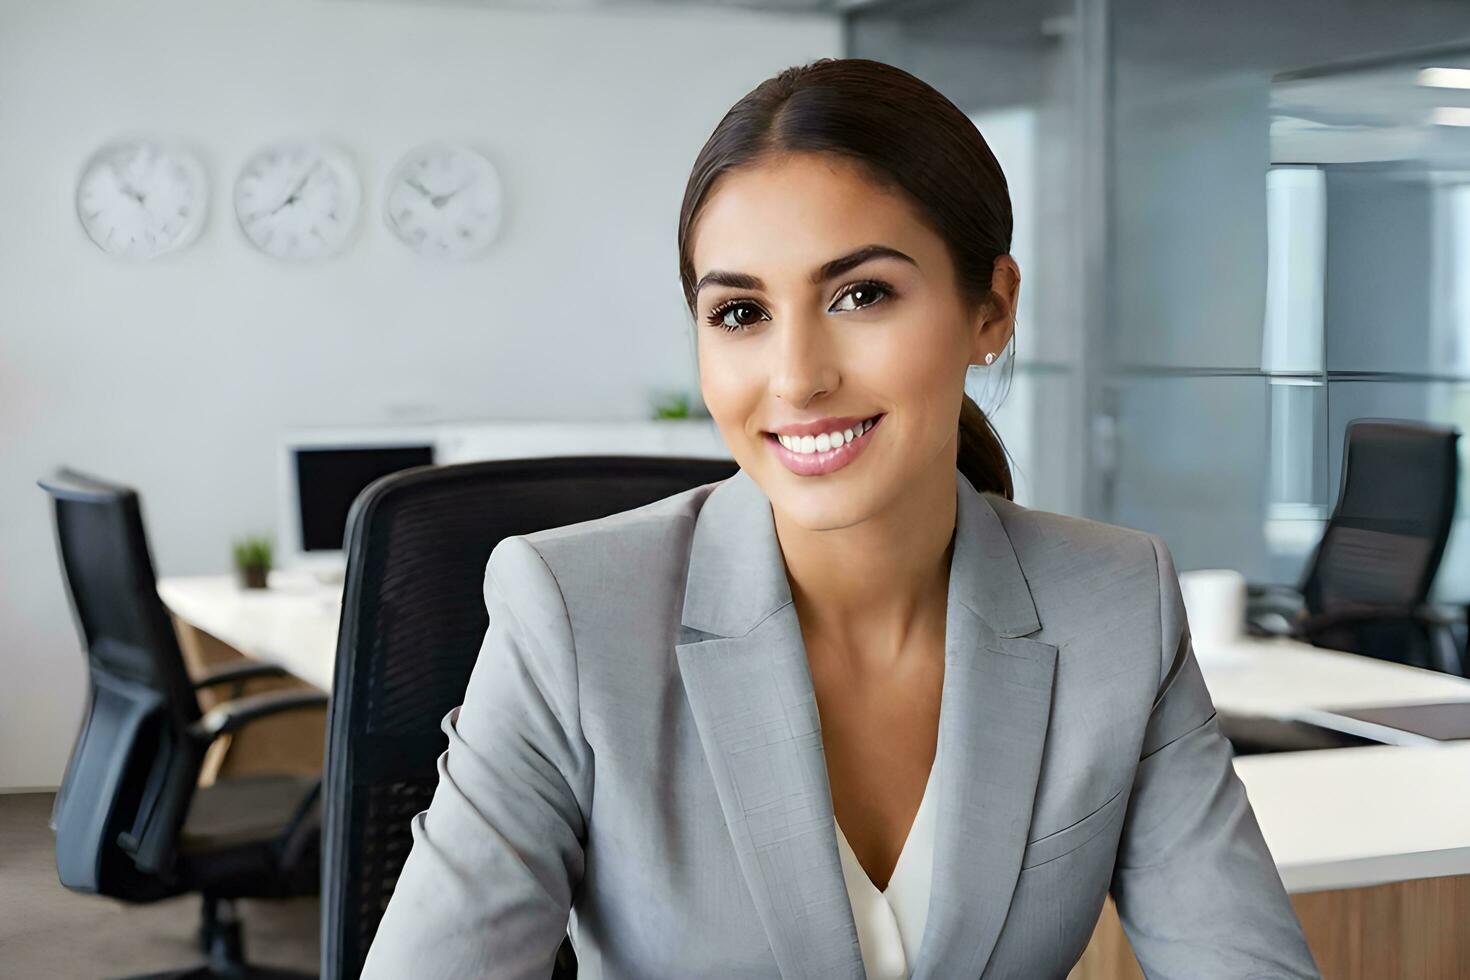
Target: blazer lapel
point(744, 668)
point(994, 711)
point(743, 663)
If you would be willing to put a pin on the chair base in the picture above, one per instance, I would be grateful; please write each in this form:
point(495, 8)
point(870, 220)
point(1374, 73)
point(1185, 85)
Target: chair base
point(220, 938)
point(239, 973)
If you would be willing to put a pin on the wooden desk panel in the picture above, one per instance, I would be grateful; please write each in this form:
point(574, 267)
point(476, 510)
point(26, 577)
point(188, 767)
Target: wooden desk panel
point(1408, 930)
point(1415, 930)
point(290, 743)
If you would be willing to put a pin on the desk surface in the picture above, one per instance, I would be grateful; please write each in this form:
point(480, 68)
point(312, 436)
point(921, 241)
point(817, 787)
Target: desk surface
point(1334, 818)
point(1345, 818)
point(1279, 677)
point(293, 623)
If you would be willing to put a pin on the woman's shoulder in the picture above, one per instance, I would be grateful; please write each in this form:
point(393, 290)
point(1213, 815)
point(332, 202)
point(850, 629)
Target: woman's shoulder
point(647, 544)
point(1095, 583)
point(637, 528)
point(1050, 545)
point(1032, 522)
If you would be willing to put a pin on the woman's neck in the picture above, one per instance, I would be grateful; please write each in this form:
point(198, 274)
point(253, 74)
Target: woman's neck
point(868, 589)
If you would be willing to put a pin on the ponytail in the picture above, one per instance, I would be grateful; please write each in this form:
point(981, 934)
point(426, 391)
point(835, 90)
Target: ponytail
point(981, 457)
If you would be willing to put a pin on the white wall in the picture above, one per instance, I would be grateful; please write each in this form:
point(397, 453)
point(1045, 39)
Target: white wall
point(176, 376)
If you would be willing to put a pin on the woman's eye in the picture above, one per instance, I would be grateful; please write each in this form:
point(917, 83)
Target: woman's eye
point(740, 315)
point(863, 294)
point(720, 316)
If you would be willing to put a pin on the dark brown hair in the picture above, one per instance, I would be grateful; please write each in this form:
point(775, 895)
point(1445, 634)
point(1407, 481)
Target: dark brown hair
point(906, 136)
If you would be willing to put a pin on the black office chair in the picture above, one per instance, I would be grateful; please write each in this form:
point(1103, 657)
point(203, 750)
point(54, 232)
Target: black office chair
point(1366, 586)
point(413, 622)
point(130, 820)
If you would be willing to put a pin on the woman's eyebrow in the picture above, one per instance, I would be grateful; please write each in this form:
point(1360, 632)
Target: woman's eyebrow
point(830, 270)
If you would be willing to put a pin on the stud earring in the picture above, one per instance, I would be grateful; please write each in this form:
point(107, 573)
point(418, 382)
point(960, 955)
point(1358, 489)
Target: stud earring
point(989, 357)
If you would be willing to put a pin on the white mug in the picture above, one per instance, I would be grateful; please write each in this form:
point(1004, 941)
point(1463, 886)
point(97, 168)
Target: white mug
point(1215, 602)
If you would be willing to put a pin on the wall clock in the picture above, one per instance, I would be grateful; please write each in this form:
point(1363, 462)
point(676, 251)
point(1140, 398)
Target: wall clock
point(298, 200)
point(141, 198)
point(444, 200)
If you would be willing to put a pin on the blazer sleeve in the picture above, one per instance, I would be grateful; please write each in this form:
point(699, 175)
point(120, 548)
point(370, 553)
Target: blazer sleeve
point(497, 857)
point(1195, 886)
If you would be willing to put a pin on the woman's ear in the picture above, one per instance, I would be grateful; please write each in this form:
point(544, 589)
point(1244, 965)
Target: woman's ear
point(997, 315)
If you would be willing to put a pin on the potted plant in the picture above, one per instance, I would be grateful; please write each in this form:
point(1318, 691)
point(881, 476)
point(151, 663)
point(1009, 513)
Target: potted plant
point(677, 405)
point(674, 406)
point(253, 560)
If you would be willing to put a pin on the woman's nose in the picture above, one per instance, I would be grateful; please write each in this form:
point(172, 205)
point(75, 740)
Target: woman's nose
point(803, 362)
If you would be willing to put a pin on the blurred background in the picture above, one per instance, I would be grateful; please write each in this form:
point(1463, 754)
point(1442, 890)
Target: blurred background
point(1241, 226)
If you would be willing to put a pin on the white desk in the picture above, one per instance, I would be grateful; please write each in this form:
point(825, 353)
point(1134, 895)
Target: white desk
point(1334, 818)
point(1346, 818)
point(1373, 845)
point(1283, 678)
point(292, 624)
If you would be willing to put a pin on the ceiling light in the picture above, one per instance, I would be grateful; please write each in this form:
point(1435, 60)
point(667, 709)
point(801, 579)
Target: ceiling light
point(1445, 77)
point(1451, 115)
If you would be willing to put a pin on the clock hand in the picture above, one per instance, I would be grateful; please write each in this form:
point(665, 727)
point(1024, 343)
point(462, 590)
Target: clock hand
point(291, 198)
point(440, 199)
point(418, 187)
point(130, 190)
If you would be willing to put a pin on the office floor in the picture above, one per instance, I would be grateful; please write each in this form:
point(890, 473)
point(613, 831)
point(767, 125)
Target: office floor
point(47, 931)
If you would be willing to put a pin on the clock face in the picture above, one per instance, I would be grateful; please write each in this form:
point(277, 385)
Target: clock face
point(141, 198)
point(443, 200)
point(297, 200)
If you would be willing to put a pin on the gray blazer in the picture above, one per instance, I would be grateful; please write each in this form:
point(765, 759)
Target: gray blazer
point(638, 760)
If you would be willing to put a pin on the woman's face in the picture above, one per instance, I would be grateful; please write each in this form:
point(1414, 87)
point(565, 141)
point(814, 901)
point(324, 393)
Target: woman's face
point(885, 337)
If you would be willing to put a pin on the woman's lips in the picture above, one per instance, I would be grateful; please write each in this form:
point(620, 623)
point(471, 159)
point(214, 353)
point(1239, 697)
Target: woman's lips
point(818, 464)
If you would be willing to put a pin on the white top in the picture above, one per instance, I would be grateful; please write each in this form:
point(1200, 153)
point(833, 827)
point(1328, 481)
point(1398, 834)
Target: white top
point(890, 923)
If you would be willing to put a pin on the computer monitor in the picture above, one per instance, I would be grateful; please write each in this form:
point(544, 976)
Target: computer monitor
point(322, 474)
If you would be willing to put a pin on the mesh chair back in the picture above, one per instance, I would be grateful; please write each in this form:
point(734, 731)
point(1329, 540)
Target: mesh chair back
point(1383, 543)
point(133, 767)
point(413, 622)
point(1395, 505)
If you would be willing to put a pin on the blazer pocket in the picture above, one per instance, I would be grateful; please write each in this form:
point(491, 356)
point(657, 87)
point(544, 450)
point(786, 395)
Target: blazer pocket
point(1071, 837)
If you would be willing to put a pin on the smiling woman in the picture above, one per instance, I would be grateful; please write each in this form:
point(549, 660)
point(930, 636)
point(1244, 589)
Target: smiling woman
point(853, 711)
point(844, 247)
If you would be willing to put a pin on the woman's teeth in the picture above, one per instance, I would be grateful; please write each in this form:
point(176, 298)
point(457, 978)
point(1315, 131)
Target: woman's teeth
point(825, 441)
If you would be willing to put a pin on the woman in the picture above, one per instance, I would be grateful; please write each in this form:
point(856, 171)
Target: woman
point(853, 711)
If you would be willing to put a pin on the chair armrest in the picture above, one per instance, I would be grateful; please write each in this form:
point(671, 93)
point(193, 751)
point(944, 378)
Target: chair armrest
point(235, 715)
point(1446, 654)
point(1266, 594)
point(1271, 623)
point(1273, 610)
point(231, 673)
point(304, 829)
point(1255, 589)
point(1373, 613)
point(1441, 616)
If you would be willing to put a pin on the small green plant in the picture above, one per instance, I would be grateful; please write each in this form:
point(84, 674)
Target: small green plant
point(676, 406)
point(253, 559)
point(253, 551)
